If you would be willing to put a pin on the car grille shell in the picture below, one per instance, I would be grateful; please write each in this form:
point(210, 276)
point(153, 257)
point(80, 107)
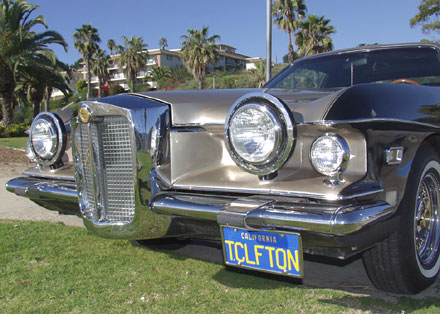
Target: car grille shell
point(106, 166)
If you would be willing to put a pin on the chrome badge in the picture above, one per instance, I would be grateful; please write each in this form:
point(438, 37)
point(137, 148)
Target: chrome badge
point(85, 114)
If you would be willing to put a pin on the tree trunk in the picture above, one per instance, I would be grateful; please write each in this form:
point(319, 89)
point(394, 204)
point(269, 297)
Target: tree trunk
point(99, 88)
point(89, 79)
point(7, 110)
point(7, 87)
point(47, 96)
point(37, 95)
point(290, 56)
point(133, 81)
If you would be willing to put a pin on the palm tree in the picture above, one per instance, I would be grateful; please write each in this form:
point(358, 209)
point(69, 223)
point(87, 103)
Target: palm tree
point(163, 43)
point(160, 75)
point(38, 78)
point(99, 67)
point(86, 41)
point(133, 57)
point(314, 36)
point(198, 52)
point(287, 15)
point(259, 73)
point(111, 45)
point(21, 46)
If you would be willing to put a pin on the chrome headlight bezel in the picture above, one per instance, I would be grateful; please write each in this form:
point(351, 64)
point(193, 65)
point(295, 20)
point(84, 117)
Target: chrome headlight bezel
point(57, 129)
point(283, 133)
point(342, 158)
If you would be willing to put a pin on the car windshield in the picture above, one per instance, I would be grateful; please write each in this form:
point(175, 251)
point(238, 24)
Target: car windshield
point(420, 64)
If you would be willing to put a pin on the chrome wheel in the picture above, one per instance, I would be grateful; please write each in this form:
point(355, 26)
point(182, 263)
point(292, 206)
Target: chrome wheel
point(408, 261)
point(427, 222)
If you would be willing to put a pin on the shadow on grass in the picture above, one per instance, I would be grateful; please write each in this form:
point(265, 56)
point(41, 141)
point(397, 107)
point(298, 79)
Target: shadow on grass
point(320, 273)
point(393, 304)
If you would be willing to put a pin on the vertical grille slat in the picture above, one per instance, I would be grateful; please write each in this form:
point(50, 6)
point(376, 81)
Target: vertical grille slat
point(109, 177)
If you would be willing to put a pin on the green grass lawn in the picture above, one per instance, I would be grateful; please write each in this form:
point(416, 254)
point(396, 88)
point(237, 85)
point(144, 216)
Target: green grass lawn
point(14, 142)
point(48, 268)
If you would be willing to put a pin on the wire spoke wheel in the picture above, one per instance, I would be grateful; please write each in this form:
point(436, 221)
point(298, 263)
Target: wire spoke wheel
point(427, 222)
point(408, 261)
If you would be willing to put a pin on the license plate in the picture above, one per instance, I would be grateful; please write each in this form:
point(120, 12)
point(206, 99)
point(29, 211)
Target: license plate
point(267, 251)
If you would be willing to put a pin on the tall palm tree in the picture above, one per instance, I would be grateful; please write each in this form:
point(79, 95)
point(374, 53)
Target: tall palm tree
point(287, 15)
point(163, 43)
point(21, 46)
point(37, 78)
point(99, 67)
point(314, 36)
point(111, 45)
point(86, 41)
point(133, 57)
point(198, 52)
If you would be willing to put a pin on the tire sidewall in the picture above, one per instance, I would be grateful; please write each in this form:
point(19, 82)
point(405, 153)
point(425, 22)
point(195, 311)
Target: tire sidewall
point(426, 161)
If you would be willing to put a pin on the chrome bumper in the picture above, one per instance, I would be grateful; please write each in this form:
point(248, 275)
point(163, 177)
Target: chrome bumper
point(53, 194)
point(250, 212)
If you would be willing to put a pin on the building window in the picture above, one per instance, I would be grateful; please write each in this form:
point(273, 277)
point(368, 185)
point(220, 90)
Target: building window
point(169, 58)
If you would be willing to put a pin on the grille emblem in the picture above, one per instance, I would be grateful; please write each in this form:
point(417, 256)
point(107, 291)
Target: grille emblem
point(85, 114)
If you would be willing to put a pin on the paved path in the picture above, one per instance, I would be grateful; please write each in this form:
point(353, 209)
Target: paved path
point(17, 207)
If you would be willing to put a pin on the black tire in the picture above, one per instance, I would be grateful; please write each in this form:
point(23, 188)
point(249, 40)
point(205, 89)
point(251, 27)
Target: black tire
point(408, 261)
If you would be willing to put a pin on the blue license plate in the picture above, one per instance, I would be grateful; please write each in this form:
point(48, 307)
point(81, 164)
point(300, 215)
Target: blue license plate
point(266, 251)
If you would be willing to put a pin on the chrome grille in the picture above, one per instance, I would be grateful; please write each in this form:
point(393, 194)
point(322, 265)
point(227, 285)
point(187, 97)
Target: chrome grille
point(107, 170)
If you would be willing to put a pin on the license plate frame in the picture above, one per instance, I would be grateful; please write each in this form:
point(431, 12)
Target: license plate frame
point(266, 251)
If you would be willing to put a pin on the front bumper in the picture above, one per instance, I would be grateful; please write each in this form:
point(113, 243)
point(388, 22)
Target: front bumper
point(332, 229)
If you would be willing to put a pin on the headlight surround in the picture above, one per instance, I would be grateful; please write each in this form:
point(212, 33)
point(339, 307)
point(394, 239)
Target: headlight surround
point(329, 155)
point(259, 133)
point(47, 138)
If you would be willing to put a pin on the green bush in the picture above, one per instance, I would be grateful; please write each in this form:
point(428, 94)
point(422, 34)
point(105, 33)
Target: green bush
point(143, 87)
point(16, 130)
point(116, 89)
point(2, 131)
point(23, 114)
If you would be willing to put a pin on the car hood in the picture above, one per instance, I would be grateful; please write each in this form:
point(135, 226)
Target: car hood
point(210, 107)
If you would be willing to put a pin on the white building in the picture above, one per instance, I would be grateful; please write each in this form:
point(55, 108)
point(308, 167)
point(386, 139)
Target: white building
point(228, 60)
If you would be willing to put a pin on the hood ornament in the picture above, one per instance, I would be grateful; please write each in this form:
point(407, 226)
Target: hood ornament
point(85, 114)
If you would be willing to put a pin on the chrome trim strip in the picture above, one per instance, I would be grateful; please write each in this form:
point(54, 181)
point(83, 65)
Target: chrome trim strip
point(187, 206)
point(335, 122)
point(328, 197)
point(331, 220)
point(48, 177)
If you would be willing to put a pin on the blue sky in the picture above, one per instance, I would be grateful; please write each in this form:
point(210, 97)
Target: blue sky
point(240, 23)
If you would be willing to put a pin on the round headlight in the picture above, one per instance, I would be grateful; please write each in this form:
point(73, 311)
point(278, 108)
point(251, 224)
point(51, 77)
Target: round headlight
point(329, 155)
point(44, 138)
point(259, 133)
point(47, 138)
point(255, 133)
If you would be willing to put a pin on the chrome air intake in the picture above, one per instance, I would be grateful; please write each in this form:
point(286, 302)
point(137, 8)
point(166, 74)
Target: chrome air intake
point(107, 165)
point(117, 146)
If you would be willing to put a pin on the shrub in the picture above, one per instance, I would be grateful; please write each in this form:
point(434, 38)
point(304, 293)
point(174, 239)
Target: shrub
point(23, 114)
point(2, 131)
point(143, 87)
point(16, 130)
point(116, 89)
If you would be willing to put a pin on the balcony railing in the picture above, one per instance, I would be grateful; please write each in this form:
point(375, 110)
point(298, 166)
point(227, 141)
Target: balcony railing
point(118, 76)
